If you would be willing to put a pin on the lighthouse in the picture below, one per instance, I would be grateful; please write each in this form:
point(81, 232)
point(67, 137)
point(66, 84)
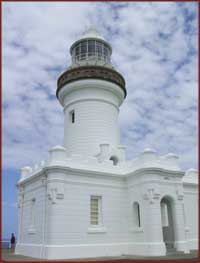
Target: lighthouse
point(86, 200)
point(91, 92)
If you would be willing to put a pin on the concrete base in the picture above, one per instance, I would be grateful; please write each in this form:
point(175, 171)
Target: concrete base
point(192, 244)
point(29, 250)
point(182, 246)
point(9, 256)
point(90, 250)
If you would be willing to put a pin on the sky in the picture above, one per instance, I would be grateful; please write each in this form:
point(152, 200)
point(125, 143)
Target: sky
point(154, 48)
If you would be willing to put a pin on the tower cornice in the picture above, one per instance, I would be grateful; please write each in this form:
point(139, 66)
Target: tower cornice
point(91, 72)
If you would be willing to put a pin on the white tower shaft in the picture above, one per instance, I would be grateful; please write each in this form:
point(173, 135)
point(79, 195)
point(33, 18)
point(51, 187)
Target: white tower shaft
point(91, 110)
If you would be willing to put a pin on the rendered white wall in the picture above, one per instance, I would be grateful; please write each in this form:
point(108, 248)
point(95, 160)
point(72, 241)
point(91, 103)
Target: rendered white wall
point(29, 236)
point(191, 214)
point(63, 224)
point(68, 233)
point(62, 188)
point(94, 125)
point(96, 106)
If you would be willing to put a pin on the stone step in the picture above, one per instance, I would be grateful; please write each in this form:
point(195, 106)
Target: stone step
point(174, 252)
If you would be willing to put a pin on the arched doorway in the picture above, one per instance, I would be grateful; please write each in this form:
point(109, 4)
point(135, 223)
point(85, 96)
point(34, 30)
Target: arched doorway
point(167, 218)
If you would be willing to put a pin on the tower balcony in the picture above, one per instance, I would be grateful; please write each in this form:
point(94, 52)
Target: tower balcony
point(91, 72)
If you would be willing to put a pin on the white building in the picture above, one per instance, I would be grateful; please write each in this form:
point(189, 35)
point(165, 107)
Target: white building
point(87, 200)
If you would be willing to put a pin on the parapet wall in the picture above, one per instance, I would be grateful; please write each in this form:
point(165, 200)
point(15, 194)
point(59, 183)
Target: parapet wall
point(110, 160)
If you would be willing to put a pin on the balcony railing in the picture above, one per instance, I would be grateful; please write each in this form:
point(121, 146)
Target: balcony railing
point(91, 56)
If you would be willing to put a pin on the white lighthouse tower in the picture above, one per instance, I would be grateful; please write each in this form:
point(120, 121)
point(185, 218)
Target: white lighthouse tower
point(87, 200)
point(91, 92)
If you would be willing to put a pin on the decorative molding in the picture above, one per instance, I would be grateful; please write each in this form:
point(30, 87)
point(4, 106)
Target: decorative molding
point(155, 171)
point(137, 229)
point(194, 184)
point(94, 72)
point(97, 229)
point(190, 192)
point(114, 174)
point(21, 190)
point(179, 194)
point(167, 178)
point(44, 180)
point(20, 196)
point(55, 191)
point(32, 230)
point(151, 195)
point(20, 200)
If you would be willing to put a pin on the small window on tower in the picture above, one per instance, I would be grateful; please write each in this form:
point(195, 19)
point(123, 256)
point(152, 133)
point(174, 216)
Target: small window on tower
point(72, 116)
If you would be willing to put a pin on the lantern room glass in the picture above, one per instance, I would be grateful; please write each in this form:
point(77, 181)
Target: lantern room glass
point(91, 50)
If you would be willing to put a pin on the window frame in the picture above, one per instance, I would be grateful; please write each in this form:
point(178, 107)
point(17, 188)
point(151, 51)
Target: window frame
point(99, 50)
point(164, 214)
point(32, 229)
point(136, 215)
point(72, 116)
point(99, 211)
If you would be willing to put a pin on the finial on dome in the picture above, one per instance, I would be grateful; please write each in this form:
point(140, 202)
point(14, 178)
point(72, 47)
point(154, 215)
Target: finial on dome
point(91, 32)
point(91, 28)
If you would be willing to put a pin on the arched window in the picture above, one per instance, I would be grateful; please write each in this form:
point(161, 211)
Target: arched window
point(114, 159)
point(136, 215)
point(164, 214)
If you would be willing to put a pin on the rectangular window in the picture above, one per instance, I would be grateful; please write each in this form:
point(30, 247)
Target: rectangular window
point(95, 210)
point(136, 215)
point(77, 51)
point(105, 51)
point(91, 47)
point(72, 116)
point(83, 49)
point(99, 50)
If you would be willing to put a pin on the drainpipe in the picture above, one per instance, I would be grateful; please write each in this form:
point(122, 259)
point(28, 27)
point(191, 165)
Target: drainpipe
point(44, 183)
point(22, 212)
point(20, 218)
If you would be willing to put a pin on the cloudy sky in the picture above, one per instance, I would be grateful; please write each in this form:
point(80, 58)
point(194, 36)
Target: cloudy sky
point(154, 47)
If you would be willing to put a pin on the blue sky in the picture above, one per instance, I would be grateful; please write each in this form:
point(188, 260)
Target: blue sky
point(154, 47)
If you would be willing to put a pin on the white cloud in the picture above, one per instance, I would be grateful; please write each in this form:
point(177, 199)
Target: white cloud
point(154, 47)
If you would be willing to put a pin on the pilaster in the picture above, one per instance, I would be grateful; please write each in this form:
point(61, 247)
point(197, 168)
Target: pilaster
point(153, 224)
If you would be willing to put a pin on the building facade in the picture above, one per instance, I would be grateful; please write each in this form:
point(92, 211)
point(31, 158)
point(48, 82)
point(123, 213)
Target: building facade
point(87, 200)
